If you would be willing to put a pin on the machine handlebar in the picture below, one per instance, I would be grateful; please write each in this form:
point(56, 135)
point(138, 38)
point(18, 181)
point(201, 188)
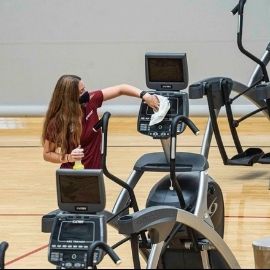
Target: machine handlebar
point(105, 248)
point(103, 123)
point(187, 121)
point(239, 8)
point(3, 248)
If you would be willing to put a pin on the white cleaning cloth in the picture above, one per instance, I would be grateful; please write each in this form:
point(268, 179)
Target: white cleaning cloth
point(164, 106)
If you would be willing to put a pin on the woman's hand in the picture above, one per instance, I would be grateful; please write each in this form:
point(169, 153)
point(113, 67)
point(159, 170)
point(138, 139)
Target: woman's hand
point(152, 101)
point(76, 154)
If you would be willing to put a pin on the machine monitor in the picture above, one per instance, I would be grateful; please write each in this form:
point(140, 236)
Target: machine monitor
point(83, 231)
point(80, 191)
point(166, 71)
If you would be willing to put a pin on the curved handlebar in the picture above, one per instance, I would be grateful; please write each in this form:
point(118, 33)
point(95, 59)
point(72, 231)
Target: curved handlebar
point(195, 130)
point(104, 247)
point(187, 121)
point(235, 9)
point(3, 248)
point(239, 8)
point(103, 123)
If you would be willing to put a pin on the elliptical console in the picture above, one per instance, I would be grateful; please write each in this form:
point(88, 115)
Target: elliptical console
point(72, 237)
point(167, 74)
point(77, 227)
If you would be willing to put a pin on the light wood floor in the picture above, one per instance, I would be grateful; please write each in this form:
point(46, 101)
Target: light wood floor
point(28, 186)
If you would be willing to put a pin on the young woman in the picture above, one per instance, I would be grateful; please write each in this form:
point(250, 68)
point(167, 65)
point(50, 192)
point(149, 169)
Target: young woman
point(68, 134)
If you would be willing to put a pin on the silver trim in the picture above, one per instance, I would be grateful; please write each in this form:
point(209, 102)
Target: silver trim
point(201, 209)
point(205, 259)
point(102, 144)
point(154, 256)
point(173, 148)
point(257, 69)
point(207, 138)
point(166, 143)
point(238, 25)
point(195, 223)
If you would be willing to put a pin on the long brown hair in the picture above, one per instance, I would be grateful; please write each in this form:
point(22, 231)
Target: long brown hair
point(62, 124)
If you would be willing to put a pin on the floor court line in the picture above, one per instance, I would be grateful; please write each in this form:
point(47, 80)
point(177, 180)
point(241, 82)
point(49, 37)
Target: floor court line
point(26, 255)
point(21, 215)
point(41, 215)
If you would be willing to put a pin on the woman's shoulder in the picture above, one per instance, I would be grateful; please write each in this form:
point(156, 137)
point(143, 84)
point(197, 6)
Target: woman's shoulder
point(96, 98)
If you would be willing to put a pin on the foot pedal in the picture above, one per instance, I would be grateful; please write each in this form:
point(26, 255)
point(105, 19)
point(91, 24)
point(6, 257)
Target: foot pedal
point(265, 159)
point(247, 158)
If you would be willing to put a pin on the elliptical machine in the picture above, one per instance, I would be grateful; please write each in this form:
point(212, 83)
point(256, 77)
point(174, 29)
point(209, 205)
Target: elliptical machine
point(219, 93)
point(180, 227)
point(188, 186)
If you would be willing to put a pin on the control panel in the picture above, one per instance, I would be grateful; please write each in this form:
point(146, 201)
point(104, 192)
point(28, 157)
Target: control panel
point(71, 238)
point(178, 106)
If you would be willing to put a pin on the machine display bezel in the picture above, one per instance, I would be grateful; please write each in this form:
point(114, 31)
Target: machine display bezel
point(162, 84)
point(78, 205)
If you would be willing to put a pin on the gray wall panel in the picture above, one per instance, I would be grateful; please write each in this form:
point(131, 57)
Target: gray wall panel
point(105, 41)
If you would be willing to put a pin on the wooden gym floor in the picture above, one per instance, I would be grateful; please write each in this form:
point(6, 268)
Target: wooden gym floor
point(28, 186)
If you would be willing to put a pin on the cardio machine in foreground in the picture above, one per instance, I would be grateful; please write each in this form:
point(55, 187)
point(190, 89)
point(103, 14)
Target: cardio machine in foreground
point(182, 224)
point(79, 235)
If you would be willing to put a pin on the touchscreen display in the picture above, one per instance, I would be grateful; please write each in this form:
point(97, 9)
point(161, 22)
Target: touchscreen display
point(172, 111)
point(77, 231)
point(165, 70)
point(79, 189)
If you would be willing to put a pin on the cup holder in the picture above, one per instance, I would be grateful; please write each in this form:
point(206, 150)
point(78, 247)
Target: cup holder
point(125, 218)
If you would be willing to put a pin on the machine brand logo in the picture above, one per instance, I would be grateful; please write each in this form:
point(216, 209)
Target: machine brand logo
point(77, 221)
point(213, 207)
point(166, 86)
point(81, 208)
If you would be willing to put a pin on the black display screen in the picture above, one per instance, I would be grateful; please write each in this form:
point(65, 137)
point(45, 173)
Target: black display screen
point(70, 231)
point(165, 70)
point(172, 111)
point(79, 189)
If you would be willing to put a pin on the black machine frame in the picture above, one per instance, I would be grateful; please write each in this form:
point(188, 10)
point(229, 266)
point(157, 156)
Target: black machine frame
point(219, 93)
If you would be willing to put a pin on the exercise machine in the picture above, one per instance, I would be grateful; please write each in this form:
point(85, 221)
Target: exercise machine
point(79, 235)
point(223, 92)
point(182, 225)
point(187, 188)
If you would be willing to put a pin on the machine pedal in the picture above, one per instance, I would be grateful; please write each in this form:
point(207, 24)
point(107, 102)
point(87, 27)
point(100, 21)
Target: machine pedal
point(265, 159)
point(247, 158)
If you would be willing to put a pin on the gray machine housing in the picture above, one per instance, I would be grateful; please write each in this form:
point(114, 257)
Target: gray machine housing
point(90, 182)
point(166, 71)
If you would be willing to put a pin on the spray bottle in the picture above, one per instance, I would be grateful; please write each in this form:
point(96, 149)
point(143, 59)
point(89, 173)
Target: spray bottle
point(78, 164)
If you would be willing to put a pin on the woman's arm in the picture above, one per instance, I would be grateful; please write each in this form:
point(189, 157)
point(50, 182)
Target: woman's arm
point(50, 154)
point(129, 90)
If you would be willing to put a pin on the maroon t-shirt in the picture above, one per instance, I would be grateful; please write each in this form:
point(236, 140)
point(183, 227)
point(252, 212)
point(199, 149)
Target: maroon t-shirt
point(90, 140)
